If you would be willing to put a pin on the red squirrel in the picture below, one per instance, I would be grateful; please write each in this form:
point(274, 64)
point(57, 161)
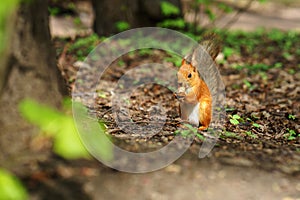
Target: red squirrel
point(195, 96)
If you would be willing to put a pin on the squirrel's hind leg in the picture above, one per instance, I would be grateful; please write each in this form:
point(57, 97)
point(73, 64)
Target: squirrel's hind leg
point(204, 114)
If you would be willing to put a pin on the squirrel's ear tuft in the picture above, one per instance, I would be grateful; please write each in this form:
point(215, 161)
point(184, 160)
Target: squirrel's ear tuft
point(212, 44)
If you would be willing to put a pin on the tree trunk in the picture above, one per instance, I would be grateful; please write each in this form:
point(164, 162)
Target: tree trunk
point(29, 71)
point(137, 13)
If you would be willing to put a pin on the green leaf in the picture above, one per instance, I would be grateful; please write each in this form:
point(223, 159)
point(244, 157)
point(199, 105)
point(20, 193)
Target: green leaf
point(191, 128)
point(93, 133)
point(11, 187)
point(53, 11)
point(210, 14)
point(67, 142)
point(225, 8)
point(42, 116)
point(256, 125)
point(173, 23)
point(291, 134)
point(247, 83)
point(287, 55)
point(102, 94)
point(169, 9)
point(291, 137)
point(122, 26)
point(227, 51)
point(57, 125)
point(228, 109)
point(236, 117)
point(249, 133)
point(293, 117)
point(175, 60)
point(229, 134)
point(234, 121)
point(200, 136)
point(83, 46)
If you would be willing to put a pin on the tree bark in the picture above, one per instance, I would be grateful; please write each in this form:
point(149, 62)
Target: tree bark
point(137, 13)
point(29, 71)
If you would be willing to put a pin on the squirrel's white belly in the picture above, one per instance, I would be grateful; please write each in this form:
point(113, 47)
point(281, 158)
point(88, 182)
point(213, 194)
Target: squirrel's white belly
point(190, 112)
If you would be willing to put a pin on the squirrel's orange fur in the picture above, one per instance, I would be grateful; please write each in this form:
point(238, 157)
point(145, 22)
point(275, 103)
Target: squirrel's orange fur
point(196, 105)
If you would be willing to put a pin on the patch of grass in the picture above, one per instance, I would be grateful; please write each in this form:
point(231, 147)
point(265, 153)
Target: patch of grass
point(190, 131)
point(53, 11)
point(83, 46)
point(145, 52)
point(63, 10)
point(264, 76)
point(101, 94)
point(228, 134)
point(169, 9)
point(291, 134)
point(235, 119)
point(291, 117)
point(176, 60)
point(71, 6)
point(278, 65)
point(121, 63)
point(251, 134)
point(255, 68)
point(291, 71)
point(173, 23)
point(228, 51)
point(255, 125)
point(287, 55)
point(122, 26)
point(77, 21)
point(248, 43)
point(229, 109)
point(248, 85)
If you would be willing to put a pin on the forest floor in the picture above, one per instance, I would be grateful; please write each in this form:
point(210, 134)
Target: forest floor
point(254, 159)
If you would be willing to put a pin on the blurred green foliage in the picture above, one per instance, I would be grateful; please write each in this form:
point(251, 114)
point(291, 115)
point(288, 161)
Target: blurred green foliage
point(56, 125)
point(173, 23)
point(291, 134)
point(53, 11)
point(122, 26)
point(62, 128)
point(93, 133)
point(6, 9)
point(189, 131)
point(169, 9)
point(248, 41)
point(83, 46)
point(282, 45)
point(10, 187)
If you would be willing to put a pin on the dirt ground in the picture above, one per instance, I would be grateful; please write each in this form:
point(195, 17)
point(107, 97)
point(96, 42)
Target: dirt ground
point(187, 178)
point(240, 167)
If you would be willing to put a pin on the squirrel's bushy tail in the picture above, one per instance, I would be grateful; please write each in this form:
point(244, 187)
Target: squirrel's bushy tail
point(212, 44)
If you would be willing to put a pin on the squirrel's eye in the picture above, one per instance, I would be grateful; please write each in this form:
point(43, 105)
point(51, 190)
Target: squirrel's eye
point(190, 76)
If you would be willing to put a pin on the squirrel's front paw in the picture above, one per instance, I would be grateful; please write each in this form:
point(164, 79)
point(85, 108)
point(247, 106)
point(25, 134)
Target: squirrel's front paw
point(179, 96)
